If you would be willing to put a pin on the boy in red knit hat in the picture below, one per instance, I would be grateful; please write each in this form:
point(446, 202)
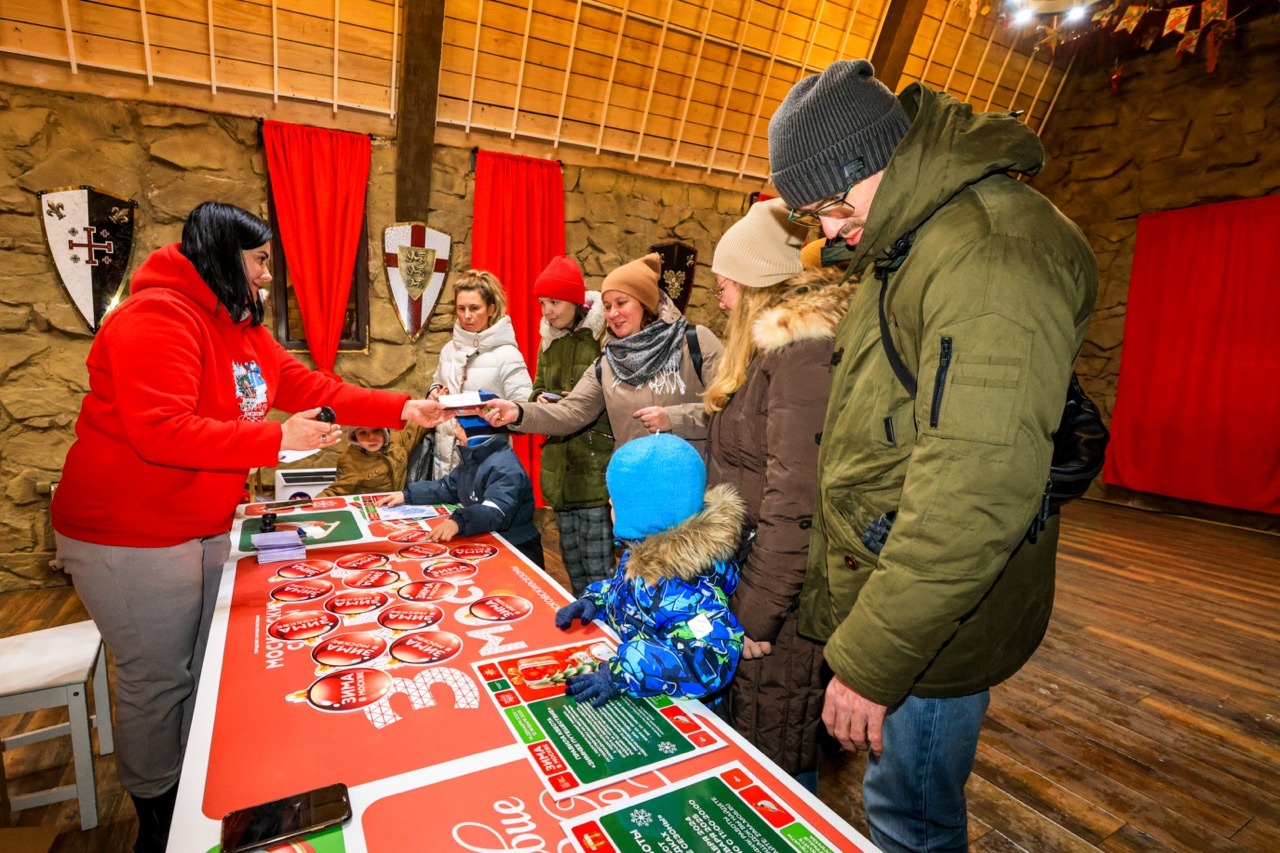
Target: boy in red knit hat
point(573, 466)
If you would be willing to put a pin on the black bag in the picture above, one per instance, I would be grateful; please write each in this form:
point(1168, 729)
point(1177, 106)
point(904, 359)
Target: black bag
point(1079, 442)
point(421, 458)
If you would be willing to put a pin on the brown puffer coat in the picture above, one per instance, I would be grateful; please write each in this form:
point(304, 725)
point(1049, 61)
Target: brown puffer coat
point(765, 444)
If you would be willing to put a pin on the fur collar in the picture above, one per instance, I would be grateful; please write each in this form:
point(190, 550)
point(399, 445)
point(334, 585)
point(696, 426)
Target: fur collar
point(593, 321)
point(812, 313)
point(688, 549)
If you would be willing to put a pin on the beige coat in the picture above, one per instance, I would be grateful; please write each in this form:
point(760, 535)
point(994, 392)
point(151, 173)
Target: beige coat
point(590, 397)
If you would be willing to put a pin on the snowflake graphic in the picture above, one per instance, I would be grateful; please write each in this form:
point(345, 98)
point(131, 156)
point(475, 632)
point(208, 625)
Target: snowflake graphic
point(667, 748)
point(640, 817)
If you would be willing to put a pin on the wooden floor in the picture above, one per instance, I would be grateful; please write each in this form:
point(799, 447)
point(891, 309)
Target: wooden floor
point(1148, 720)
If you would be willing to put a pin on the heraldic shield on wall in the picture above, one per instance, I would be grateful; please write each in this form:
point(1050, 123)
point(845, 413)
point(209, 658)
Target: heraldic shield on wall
point(678, 263)
point(90, 234)
point(417, 259)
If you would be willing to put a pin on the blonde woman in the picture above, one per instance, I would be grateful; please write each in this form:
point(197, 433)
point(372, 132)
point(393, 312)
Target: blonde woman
point(482, 356)
point(767, 406)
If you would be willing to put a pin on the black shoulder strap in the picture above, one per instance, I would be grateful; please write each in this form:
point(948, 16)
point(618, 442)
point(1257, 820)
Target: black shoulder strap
point(599, 369)
point(896, 256)
point(695, 350)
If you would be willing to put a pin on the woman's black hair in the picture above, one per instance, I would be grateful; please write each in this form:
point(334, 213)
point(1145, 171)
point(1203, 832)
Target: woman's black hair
point(213, 239)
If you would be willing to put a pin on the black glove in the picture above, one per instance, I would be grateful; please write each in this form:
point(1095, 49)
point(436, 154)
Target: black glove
point(594, 687)
point(583, 608)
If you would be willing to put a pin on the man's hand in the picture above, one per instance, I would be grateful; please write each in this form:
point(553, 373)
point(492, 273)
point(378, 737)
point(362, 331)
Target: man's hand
point(444, 531)
point(852, 719)
point(499, 412)
point(395, 499)
point(751, 650)
point(654, 418)
point(426, 413)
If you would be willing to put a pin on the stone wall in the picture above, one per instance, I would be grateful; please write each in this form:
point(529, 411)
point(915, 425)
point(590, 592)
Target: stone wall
point(1175, 136)
point(170, 159)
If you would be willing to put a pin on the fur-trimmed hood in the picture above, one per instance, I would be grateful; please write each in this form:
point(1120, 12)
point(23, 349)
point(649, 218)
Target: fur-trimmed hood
point(810, 313)
point(593, 321)
point(695, 544)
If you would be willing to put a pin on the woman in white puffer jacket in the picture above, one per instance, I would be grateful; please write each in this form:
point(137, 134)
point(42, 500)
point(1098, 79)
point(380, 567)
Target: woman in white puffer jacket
point(482, 356)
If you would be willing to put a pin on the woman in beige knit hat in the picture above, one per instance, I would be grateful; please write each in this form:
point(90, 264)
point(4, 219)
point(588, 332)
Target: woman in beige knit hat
point(768, 401)
point(648, 377)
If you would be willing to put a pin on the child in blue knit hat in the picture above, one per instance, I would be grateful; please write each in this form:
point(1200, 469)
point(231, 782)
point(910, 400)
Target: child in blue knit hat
point(668, 600)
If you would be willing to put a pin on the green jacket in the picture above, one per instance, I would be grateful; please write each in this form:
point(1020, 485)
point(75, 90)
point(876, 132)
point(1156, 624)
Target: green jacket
point(988, 311)
point(573, 466)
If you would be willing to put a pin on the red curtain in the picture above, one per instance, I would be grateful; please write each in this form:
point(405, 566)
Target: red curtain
point(1198, 402)
point(517, 230)
point(318, 183)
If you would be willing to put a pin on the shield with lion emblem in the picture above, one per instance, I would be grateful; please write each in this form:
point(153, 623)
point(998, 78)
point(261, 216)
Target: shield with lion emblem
point(417, 260)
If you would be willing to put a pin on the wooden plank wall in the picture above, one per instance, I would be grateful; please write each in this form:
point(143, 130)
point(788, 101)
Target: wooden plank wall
point(676, 82)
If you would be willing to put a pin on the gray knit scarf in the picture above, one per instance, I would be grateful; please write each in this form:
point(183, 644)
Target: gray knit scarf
point(651, 355)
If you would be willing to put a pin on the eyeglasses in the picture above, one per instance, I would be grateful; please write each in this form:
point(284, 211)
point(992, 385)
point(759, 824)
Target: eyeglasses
point(809, 218)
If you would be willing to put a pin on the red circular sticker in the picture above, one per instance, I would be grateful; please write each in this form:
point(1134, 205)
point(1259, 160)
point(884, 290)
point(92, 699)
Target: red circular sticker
point(349, 689)
point(371, 579)
point(422, 551)
point(304, 569)
point(303, 625)
point(450, 570)
point(349, 649)
point(363, 560)
point(327, 503)
point(412, 534)
point(304, 590)
point(426, 590)
point(426, 647)
point(477, 551)
point(501, 608)
point(351, 603)
point(410, 616)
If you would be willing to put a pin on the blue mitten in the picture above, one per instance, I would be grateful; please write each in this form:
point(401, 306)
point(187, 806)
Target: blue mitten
point(594, 687)
point(583, 608)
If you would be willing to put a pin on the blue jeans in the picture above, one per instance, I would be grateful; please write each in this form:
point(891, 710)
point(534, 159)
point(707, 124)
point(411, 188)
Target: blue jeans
point(913, 792)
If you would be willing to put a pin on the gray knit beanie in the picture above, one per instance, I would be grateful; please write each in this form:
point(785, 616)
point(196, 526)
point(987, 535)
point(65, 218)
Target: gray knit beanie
point(762, 248)
point(832, 130)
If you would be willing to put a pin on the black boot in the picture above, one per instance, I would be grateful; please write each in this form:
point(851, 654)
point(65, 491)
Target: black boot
point(155, 814)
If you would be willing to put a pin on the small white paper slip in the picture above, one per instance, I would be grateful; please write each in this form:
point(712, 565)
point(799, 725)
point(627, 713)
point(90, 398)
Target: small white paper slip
point(406, 512)
point(700, 625)
point(290, 456)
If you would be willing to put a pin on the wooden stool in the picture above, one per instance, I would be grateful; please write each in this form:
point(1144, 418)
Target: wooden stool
point(48, 669)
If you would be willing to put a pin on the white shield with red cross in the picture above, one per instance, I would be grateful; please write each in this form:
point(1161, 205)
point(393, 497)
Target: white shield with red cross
point(417, 259)
point(90, 235)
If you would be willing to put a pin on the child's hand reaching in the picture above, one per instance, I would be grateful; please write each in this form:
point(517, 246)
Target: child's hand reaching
point(583, 608)
point(395, 499)
point(594, 687)
point(444, 531)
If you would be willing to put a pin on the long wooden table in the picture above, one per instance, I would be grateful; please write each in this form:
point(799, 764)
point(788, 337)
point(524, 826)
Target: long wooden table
point(429, 679)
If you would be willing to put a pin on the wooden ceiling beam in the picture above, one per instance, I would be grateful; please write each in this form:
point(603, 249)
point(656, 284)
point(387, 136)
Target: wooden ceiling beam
point(898, 30)
point(416, 118)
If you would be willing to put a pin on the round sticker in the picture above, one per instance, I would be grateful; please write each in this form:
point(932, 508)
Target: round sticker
point(371, 579)
point(363, 560)
point(352, 603)
point(449, 570)
point(426, 590)
point(477, 551)
point(410, 616)
point(501, 608)
point(426, 647)
point(422, 551)
point(349, 649)
point(304, 590)
point(303, 625)
point(304, 569)
point(413, 534)
point(349, 689)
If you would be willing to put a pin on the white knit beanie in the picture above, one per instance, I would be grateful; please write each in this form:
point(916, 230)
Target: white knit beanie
point(762, 248)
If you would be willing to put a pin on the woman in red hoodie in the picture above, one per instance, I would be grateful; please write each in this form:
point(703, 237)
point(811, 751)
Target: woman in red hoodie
point(181, 377)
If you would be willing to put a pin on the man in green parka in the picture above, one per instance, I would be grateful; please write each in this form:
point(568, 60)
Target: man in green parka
point(922, 579)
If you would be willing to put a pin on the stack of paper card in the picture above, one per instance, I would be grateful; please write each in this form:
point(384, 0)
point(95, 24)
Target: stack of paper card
point(279, 545)
point(466, 403)
point(406, 512)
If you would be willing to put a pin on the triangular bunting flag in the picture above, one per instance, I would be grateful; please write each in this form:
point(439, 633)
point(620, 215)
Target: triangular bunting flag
point(1177, 20)
point(1132, 16)
point(1188, 43)
point(1212, 10)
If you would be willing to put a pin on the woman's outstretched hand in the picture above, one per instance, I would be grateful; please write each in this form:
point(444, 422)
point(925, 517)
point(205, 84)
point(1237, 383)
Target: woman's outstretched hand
point(426, 413)
point(500, 412)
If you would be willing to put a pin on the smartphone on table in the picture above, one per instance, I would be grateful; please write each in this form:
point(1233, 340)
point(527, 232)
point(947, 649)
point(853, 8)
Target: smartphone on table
point(288, 817)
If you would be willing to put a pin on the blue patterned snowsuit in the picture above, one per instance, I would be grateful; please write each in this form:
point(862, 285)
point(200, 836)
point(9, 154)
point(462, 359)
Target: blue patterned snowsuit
point(678, 637)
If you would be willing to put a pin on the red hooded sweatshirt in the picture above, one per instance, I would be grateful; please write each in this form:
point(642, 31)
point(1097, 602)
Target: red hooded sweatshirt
point(174, 418)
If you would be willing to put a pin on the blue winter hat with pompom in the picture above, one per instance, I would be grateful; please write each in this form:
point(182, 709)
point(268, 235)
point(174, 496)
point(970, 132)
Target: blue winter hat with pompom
point(655, 483)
